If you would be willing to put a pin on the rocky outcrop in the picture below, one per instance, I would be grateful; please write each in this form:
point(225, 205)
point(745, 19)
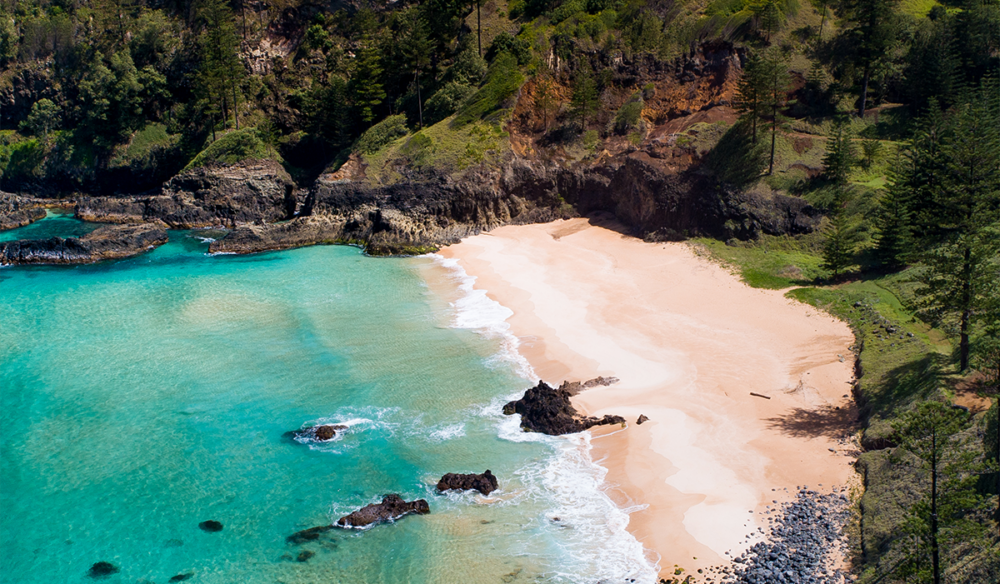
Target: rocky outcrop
point(642, 418)
point(252, 191)
point(575, 387)
point(549, 411)
point(321, 433)
point(391, 508)
point(485, 483)
point(17, 211)
point(109, 242)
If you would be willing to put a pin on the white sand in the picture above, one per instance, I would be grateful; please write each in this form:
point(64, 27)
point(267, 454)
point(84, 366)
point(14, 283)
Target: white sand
point(689, 342)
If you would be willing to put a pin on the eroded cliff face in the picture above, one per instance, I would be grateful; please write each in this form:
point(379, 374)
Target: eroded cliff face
point(651, 181)
point(247, 192)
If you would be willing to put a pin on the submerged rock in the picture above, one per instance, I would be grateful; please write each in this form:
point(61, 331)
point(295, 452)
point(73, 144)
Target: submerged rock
point(547, 410)
point(485, 483)
point(181, 577)
point(304, 556)
point(211, 526)
point(392, 507)
point(102, 569)
point(311, 534)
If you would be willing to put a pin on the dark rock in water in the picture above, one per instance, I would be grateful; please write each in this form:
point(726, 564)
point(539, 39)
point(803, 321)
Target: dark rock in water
point(311, 534)
point(304, 556)
point(173, 543)
point(104, 243)
point(642, 418)
point(320, 433)
point(181, 577)
point(392, 507)
point(549, 411)
point(485, 483)
point(210, 526)
point(102, 569)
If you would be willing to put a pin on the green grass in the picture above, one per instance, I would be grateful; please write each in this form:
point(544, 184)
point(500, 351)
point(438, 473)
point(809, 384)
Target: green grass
point(917, 8)
point(442, 148)
point(144, 143)
point(235, 147)
point(503, 79)
point(773, 263)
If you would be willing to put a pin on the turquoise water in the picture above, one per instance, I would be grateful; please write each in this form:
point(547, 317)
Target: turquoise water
point(141, 397)
point(56, 223)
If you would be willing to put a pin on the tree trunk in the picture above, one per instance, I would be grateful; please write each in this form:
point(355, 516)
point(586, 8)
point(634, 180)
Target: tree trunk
point(963, 343)
point(479, 26)
point(864, 92)
point(774, 135)
point(243, 13)
point(754, 139)
point(236, 107)
point(935, 559)
point(420, 105)
point(821, 22)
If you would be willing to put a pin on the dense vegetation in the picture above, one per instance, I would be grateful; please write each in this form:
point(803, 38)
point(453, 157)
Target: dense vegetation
point(884, 114)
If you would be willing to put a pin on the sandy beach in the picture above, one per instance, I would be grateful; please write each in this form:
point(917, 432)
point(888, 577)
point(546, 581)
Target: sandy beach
point(689, 342)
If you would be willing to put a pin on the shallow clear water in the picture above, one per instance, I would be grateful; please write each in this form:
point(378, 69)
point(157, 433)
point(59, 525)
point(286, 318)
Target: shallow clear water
point(141, 397)
point(56, 223)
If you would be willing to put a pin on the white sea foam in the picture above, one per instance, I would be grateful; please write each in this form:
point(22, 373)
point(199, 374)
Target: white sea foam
point(447, 432)
point(474, 310)
point(599, 546)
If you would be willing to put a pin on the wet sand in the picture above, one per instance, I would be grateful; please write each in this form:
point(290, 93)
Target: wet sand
point(689, 343)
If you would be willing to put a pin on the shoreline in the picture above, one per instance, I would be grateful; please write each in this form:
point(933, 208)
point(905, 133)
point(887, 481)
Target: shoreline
point(689, 342)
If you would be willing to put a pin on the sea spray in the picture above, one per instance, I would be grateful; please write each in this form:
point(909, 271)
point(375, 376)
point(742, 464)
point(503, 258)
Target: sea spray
point(572, 484)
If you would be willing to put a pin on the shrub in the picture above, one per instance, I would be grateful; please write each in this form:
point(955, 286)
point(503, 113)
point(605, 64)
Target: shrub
point(234, 147)
point(502, 80)
point(382, 134)
point(23, 160)
point(446, 101)
point(417, 148)
point(508, 43)
point(566, 11)
point(628, 116)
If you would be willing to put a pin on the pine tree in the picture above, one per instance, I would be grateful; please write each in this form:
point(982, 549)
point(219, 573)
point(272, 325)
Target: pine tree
point(751, 92)
point(544, 99)
point(893, 240)
point(934, 437)
point(366, 86)
point(841, 240)
point(962, 242)
point(839, 157)
point(872, 33)
point(221, 70)
point(584, 102)
point(776, 98)
point(417, 51)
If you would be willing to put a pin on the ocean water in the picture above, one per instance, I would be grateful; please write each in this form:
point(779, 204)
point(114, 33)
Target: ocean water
point(141, 397)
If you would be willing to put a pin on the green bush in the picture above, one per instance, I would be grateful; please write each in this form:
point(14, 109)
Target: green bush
point(23, 160)
point(382, 134)
point(628, 116)
point(502, 80)
point(508, 43)
point(235, 147)
point(446, 101)
point(418, 148)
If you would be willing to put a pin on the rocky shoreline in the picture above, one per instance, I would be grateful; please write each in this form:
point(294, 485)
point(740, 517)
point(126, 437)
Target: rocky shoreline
point(258, 201)
point(104, 243)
